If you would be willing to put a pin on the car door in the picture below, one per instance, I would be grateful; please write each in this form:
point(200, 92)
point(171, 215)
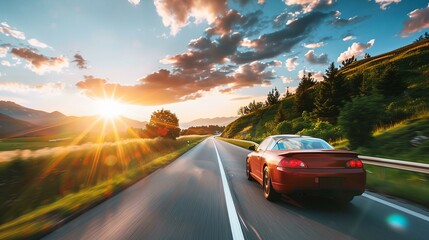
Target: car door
point(257, 160)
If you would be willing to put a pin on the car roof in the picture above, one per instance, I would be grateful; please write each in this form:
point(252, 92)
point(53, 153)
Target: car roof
point(282, 136)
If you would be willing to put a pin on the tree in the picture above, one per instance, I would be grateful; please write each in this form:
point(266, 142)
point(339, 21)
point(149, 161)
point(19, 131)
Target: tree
point(252, 107)
point(348, 61)
point(288, 93)
point(243, 111)
point(422, 37)
point(323, 130)
point(391, 83)
point(366, 56)
point(165, 124)
point(355, 82)
point(283, 127)
point(332, 93)
point(272, 97)
point(280, 115)
point(304, 95)
point(359, 117)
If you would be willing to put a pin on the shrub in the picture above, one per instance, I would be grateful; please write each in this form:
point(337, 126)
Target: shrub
point(324, 130)
point(284, 127)
point(359, 117)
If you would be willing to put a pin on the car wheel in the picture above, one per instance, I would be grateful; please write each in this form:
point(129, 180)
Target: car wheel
point(249, 177)
point(269, 193)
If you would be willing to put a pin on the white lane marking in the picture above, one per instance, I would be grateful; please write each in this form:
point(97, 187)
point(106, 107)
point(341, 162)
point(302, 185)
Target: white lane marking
point(402, 209)
point(237, 233)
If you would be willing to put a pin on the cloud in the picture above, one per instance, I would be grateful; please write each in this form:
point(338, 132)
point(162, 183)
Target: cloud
point(162, 87)
point(355, 50)
point(244, 23)
point(48, 88)
point(385, 3)
point(286, 79)
point(314, 45)
point(349, 37)
point(241, 98)
point(291, 63)
point(318, 76)
point(176, 14)
point(285, 18)
point(314, 59)
point(11, 32)
point(309, 5)
point(39, 63)
point(341, 22)
point(248, 43)
point(273, 44)
point(418, 20)
point(80, 61)
point(134, 2)
point(3, 51)
point(205, 53)
point(280, 20)
point(5, 63)
point(165, 87)
point(291, 90)
point(224, 24)
point(252, 74)
point(36, 43)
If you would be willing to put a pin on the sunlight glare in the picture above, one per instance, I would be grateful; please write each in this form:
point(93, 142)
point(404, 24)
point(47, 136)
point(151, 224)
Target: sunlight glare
point(397, 222)
point(109, 108)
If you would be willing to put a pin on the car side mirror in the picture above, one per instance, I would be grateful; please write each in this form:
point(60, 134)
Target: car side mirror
point(252, 148)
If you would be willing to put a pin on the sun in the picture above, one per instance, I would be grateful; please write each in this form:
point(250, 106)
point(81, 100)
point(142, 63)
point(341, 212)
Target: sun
point(109, 108)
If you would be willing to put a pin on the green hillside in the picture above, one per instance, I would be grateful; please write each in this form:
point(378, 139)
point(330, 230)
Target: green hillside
point(401, 141)
point(411, 65)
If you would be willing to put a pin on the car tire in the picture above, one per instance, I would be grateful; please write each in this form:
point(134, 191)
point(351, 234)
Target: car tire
point(269, 193)
point(248, 175)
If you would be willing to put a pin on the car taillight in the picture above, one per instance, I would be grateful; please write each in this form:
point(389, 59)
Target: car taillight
point(292, 163)
point(354, 163)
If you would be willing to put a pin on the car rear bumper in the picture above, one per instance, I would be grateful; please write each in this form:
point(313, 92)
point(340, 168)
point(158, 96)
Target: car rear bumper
point(289, 181)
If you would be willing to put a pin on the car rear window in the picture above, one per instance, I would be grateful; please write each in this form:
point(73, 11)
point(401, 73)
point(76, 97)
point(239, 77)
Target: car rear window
point(301, 143)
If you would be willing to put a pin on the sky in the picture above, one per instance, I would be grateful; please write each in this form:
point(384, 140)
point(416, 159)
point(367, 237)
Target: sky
point(199, 59)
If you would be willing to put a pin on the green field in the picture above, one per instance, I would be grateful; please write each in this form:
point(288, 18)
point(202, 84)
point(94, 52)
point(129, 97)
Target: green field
point(33, 143)
point(42, 187)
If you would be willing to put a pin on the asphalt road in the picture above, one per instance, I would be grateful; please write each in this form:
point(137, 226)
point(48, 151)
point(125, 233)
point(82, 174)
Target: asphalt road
point(186, 200)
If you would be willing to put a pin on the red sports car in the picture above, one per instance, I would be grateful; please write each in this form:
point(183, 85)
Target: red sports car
point(289, 164)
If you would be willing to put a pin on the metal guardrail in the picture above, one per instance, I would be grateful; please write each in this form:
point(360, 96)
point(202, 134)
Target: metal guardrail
point(396, 164)
point(390, 163)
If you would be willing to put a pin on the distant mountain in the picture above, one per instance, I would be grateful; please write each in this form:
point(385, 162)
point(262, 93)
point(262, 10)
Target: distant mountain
point(19, 121)
point(220, 121)
point(9, 125)
point(88, 124)
point(33, 116)
point(133, 123)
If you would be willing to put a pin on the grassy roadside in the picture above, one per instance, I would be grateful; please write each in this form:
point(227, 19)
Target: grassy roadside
point(241, 143)
point(403, 184)
point(44, 218)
